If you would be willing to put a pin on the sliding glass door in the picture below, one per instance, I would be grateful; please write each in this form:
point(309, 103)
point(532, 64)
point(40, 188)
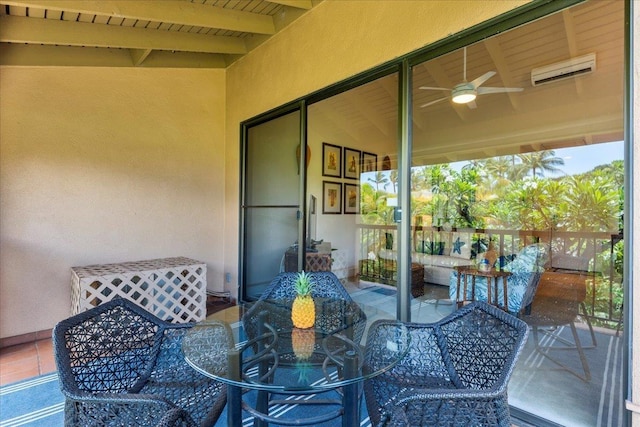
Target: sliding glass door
point(526, 180)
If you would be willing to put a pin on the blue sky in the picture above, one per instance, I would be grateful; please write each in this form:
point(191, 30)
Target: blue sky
point(580, 159)
point(586, 157)
point(576, 159)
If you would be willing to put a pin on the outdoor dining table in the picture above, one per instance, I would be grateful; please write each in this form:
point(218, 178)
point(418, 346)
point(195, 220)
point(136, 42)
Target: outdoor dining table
point(278, 359)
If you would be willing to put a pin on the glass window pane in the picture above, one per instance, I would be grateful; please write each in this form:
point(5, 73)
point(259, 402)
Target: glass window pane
point(525, 182)
point(351, 136)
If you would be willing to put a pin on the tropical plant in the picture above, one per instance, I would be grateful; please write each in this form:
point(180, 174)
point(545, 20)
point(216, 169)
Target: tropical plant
point(378, 179)
point(541, 162)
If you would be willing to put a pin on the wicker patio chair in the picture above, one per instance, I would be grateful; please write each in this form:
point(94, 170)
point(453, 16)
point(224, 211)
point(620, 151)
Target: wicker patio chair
point(455, 373)
point(335, 310)
point(325, 285)
point(525, 270)
point(559, 302)
point(121, 366)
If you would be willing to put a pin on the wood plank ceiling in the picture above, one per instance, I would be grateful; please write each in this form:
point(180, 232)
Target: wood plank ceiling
point(145, 33)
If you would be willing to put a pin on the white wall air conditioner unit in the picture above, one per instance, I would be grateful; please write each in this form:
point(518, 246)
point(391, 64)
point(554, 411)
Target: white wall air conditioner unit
point(563, 70)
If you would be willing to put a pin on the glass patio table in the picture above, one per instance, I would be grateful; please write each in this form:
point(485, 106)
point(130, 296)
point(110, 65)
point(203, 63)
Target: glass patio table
point(278, 360)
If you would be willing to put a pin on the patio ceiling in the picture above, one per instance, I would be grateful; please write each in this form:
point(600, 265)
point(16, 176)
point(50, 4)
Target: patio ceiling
point(215, 33)
point(182, 33)
point(577, 111)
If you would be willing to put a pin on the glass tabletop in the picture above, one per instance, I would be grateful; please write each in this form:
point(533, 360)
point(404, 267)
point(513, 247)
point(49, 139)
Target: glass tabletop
point(278, 357)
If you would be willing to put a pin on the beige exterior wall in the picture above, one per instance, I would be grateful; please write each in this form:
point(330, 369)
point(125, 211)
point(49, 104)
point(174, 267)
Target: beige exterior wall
point(104, 165)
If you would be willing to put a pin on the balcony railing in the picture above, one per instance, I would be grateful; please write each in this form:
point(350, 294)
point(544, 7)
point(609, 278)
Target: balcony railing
point(595, 252)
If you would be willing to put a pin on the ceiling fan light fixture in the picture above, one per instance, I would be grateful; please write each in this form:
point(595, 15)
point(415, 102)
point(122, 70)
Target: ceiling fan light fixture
point(463, 95)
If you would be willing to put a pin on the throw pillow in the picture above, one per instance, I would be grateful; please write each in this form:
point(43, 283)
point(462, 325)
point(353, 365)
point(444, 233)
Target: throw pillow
point(461, 245)
point(433, 248)
point(530, 259)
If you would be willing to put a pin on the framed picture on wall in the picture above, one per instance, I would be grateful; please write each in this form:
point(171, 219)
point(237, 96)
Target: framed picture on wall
point(332, 197)
point(331, 160)
point(369, 162)
point(351, 163)
point(351, 198)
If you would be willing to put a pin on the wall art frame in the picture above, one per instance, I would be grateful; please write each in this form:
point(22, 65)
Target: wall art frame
point(331, 160)
point(352, 161)
point(331, 197)
point(369, 162)
point(351, 198)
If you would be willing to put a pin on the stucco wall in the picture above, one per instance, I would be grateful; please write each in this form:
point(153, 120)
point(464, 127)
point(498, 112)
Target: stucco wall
point(334, 41)
point(103, 165)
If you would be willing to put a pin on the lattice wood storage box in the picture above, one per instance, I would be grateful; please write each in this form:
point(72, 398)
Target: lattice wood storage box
point(173, 289)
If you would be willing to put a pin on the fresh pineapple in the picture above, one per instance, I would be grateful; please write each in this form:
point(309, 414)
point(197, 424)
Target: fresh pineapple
point(303, 310)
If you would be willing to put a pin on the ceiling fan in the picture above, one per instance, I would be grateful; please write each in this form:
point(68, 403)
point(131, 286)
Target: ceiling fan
point(466, 92)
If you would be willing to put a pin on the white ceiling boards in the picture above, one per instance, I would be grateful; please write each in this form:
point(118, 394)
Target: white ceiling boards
point(176, 33)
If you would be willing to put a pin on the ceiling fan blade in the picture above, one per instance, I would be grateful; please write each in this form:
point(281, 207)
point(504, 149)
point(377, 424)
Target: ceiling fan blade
point(434, 102)
point(434, 88)
point(472, 105)
point(483, 78)
point(484, 90)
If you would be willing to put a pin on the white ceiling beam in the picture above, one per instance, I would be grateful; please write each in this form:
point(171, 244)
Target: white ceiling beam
point(15, 29)
point(169, 11)
point(67, 56)
point(37, 55)
point(497, 56)
point(572, 44)
point(390, 86)
point(371, 114)
point(139, 55)
point(299, 4)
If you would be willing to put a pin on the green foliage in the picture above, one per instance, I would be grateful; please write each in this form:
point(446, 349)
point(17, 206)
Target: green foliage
point(513, 193)
point(508, 192)
point(604, 301)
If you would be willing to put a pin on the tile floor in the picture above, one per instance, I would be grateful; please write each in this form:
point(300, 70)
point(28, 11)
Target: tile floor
point(22, 361)
point(28, 360)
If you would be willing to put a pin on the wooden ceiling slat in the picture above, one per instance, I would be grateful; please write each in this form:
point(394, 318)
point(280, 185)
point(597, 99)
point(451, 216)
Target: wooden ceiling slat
point(128, 22)
point(300, 4)
point(115, 21)
point(54, 14)
point(35, 12)
point(18, 10)
point(38, 55)
point(45, 31)
point(101, 19)
point(85, 17)
point(163, 11)
point(70, 16)
point(143, 24)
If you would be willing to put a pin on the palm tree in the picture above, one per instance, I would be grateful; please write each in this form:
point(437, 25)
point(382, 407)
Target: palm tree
point(379, 178)
point(393, 178)
point(499, 167)
point(541, 161)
